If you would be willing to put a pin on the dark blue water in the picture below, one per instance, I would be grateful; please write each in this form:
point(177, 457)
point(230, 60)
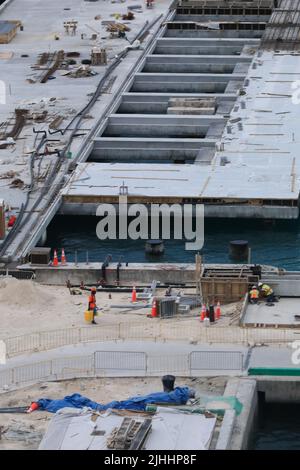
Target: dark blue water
point(278, 427)
point(274, 243)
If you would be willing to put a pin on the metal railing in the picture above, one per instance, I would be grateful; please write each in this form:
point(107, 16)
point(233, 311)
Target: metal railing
point(123, 364)
point(155, 330)
point(18, 274)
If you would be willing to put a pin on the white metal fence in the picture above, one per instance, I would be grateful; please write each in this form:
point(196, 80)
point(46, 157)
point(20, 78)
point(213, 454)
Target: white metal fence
point(157, 330)
point(123, 364)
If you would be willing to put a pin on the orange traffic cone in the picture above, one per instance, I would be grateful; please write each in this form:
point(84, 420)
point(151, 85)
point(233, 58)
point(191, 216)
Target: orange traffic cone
point(203, 312)
point(218, 311)
point(34, 406)
point(133, 295)
point(55, 259)
point(63, 257)
point(154, 309)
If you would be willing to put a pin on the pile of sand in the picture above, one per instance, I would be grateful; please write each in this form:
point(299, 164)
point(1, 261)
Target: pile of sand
point(21, 293)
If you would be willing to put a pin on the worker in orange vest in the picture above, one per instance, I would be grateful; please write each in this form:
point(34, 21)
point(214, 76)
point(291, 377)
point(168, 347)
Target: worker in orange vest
point(254, 295)
point(92, 303)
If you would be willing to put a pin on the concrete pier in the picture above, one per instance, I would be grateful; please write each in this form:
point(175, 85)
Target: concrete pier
point(152, 123)
point(237, 155)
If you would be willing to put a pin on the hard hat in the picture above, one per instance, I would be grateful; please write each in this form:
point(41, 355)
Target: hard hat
point(254, 287)
point(260, 284)
point(93, 289)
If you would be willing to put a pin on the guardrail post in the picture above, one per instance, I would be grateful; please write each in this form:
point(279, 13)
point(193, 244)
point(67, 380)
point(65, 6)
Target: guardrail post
point(79, 335)
point(94, 363)
point(189, 361)
point(146, 365)
point(206, 334)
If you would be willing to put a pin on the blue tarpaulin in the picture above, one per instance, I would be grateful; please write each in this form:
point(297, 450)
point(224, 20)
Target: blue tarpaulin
point(179, 396)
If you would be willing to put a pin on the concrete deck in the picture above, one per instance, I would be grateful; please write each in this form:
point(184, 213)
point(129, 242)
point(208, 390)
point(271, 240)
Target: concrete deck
point(281, 314)
point(93, 183)
point(41, 24)
point(251, 170)
point(246, 162)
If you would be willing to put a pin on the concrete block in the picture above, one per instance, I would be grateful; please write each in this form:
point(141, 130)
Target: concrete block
point(192, 102)
point(191, 110)
point(2, 219)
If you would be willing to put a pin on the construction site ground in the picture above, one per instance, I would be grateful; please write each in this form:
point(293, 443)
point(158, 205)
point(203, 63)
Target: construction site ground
point(25, 431)
point(285, 313)
point(28, 307)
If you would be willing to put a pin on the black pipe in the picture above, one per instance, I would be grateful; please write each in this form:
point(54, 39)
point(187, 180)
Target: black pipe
point(14, 409)
point(40, 132)
point(119, 265)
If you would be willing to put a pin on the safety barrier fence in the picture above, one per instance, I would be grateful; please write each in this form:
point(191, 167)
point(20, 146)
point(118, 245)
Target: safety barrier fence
point(123, 364)
point(156, 330)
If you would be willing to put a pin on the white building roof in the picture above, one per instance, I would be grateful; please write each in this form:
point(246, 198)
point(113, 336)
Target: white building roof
point(72, 429)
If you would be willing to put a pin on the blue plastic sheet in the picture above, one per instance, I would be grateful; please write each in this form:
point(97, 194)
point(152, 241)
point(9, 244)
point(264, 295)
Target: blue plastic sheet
point(179, 396)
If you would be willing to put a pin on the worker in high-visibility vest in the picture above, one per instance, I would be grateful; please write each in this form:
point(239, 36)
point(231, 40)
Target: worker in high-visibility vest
point(254, 295)
point(267, 292)
point(92, 303)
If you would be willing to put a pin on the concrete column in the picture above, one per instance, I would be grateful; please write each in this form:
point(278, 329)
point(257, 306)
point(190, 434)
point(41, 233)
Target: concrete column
point(246, 392)
point(2, 219)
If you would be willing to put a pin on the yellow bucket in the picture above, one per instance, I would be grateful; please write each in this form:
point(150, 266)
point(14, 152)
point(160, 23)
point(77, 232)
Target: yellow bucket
point(88, 316)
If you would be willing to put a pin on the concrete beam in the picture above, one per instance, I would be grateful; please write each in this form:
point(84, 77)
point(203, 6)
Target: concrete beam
point(211, 210)
point(128, 125)
point(148, 149)
point(157, 103)
point(211, 17)
point(187, 46)
point(219, 34)
point(193, 64)
point(185, 83)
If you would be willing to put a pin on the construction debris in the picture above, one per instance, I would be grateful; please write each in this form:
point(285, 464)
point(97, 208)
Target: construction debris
point(56, 122)
point(130, 435)
point(117, 29)
point(9, 174)
point(129, 16)
point(189, 106)
point(73, 54)
point(8, 30)
point(57, 60)
point(70, 27)
point(98, 56)
point(80, 72)
point(17, 183)
point(134, 7)
point(20, 120)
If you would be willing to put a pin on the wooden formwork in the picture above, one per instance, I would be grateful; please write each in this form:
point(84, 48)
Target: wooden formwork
point(224, 290)
point(7, 36)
